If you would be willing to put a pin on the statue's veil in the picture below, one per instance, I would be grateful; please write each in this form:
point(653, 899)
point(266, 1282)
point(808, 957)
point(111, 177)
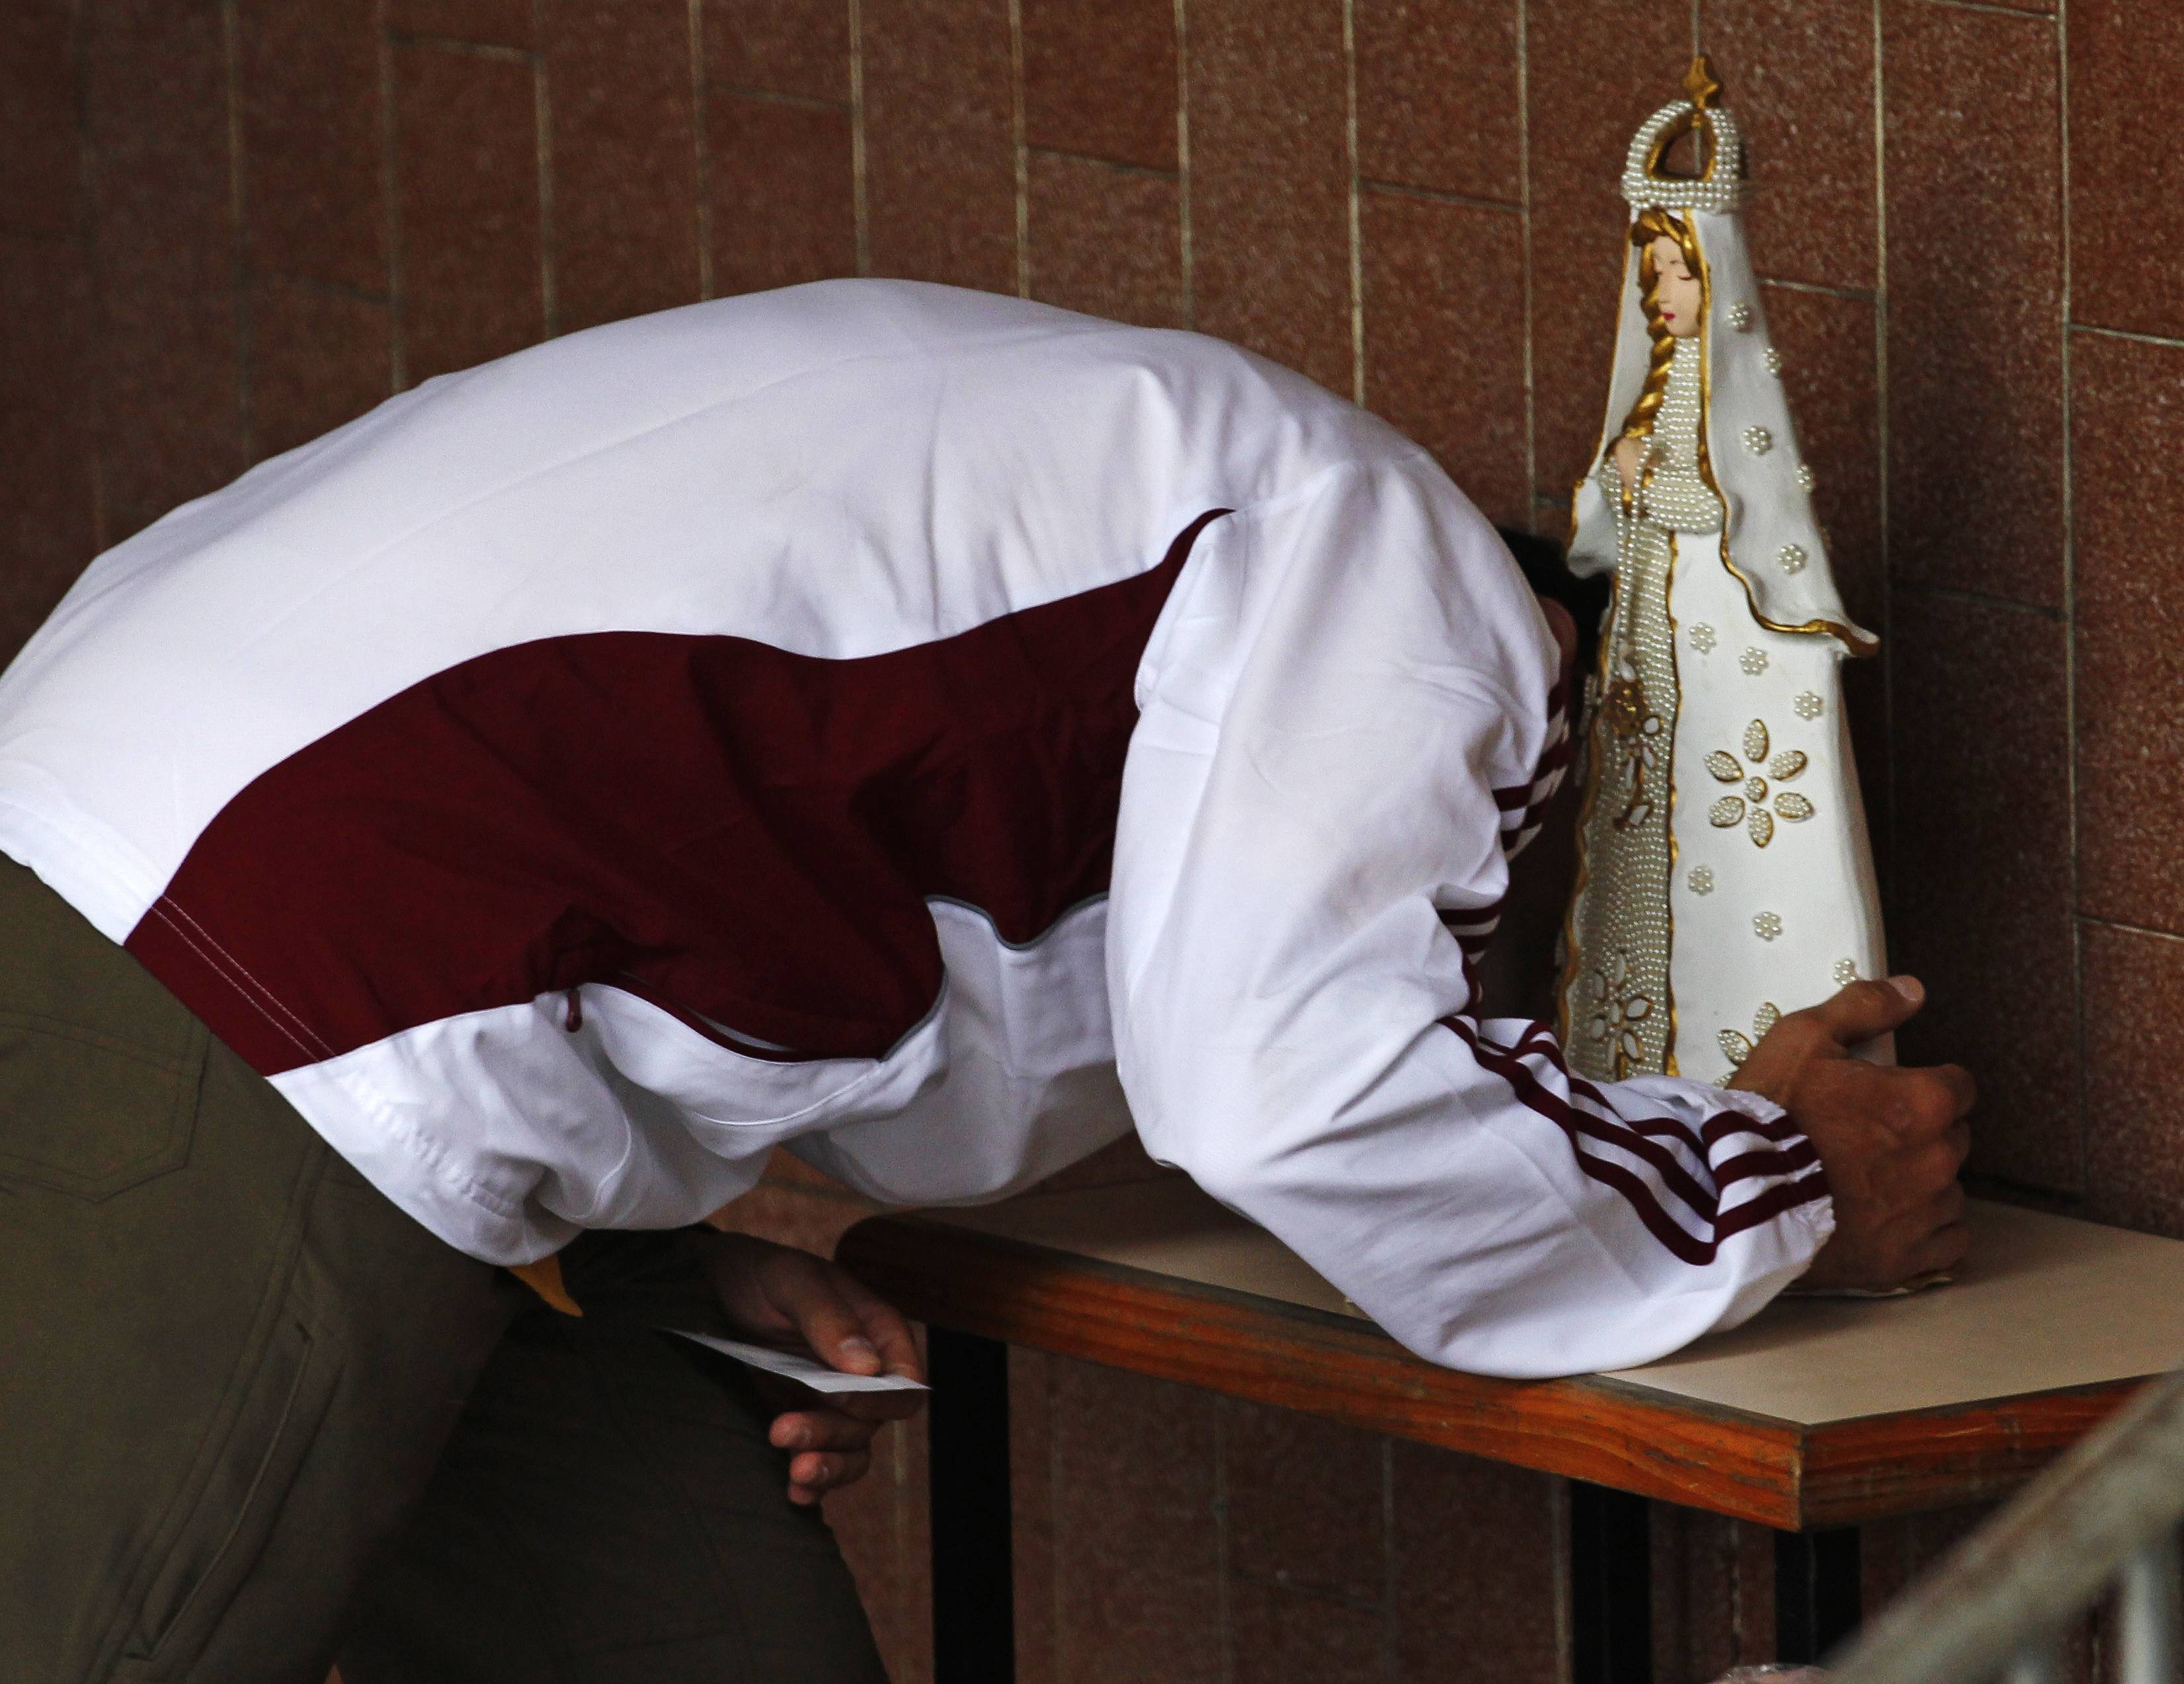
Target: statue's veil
point(1747, 444)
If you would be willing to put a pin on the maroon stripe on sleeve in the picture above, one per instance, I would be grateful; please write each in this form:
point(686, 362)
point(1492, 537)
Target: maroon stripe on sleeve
point(1642, 1144)
point(1524, 1082)
point(1720, 1129)
point(746, 834)
point(1765, 1207)
point(1539, 1041)
point(1751, 1165)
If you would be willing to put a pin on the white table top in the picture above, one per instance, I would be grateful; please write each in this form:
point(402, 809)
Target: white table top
point(2044, 1303)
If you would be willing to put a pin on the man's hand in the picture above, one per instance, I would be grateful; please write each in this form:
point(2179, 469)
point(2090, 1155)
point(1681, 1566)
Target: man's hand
point(782, 1297)
point(1890, 1139)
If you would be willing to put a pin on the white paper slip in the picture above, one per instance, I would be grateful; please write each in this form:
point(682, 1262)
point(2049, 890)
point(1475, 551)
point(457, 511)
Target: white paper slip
point(804, 1370)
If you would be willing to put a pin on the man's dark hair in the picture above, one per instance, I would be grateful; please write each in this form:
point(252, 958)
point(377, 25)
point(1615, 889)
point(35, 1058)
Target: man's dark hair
point(1541, 562)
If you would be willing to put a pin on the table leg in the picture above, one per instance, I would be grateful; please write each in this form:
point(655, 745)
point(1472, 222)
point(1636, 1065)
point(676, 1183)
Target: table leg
point(1611, 1586)
point(1816, 1591)
point(973, 1589)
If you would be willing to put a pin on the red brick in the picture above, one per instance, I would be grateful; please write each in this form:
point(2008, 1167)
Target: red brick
point(2127, 170)
point(624, 150)
point(492, 23)
point(1099, 78)
point(1831, 349)
point(1104, 240)
point(1981, 908)
point(885, 1536)
point(47, 530)
point(1478, 1568)
point(1974, 313)
point(1283, 1636)
point(1713, 1593)
point(1437, 96)
point(313, 188)
point(1444, 339)
point(1596, 69)
point(466, 195)
point(1305, 1502)
point(2128, 413)
point(791, 46)
point(1031, 1500)
point(39, 172)
point(1136, 1545)
point(1799, 78)
point(1270, 182)
point(940, 147)
point(318, 358)
point(782, 192)
point(169, 416)
point(2134, 1005)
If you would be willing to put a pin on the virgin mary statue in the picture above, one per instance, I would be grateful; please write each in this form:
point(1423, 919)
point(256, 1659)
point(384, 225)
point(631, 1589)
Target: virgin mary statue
point(1723, 872)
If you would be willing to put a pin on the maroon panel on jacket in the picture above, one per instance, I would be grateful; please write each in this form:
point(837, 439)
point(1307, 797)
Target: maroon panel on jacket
point(738, 832)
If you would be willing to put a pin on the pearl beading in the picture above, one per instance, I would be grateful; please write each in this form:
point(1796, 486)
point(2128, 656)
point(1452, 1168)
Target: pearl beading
point(1726, 190)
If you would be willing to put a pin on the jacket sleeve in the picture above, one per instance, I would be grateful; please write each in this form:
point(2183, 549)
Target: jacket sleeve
point(1345, 728)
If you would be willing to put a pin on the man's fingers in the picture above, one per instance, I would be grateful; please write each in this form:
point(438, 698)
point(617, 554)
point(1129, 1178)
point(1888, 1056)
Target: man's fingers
point(1926, 1102)
point(820, 1429)
point(812, 1474)
point(1862, 1010)
point(808, 1292)
point(884, 1325)
point(879, 1406)
point(1944, 1248)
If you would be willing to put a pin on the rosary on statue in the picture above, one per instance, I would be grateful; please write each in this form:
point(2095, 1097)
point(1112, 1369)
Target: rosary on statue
point(1724, 876)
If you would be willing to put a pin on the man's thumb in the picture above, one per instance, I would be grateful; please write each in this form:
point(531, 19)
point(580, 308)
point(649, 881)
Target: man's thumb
point(1866, 1009)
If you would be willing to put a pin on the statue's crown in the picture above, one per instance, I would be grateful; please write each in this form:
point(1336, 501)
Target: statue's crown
point(1719, 186)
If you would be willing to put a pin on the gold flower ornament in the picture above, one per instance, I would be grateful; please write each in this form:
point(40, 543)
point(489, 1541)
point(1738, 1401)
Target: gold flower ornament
point(1751, 808)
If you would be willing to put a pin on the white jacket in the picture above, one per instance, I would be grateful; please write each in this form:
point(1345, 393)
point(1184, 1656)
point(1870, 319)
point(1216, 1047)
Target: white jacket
point(869, 718)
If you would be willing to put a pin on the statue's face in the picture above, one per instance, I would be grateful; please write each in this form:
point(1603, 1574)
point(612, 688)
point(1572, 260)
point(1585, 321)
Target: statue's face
point(1678, 292)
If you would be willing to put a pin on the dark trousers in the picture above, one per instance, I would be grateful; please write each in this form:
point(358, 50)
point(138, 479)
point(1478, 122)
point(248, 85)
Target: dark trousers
point(254, 1419)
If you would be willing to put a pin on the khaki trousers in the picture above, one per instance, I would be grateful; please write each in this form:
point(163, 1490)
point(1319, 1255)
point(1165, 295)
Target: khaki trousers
point(255, 1419)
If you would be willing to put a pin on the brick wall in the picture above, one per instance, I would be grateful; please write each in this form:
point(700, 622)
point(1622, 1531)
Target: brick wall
point(228, 224)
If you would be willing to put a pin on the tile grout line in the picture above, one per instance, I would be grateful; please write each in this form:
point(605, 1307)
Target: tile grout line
point(1054, 1554)
point(1880, 315)
point(766, 96)
point(2125, 334)
point(87, 174)
point(1989, 10)
point(1223, 1615)
point(1356, 203)
point(2070, 591)
point(1183, 163)
point(1109, 164)
point(1438, 196)
point(397, 349)
point(2099, 923)
point(1862, 295)
point(455, 44)
point(549, 301)
point(1979, 599)
point(1019, 147)
point(230, 29)
point(859, 196)
point(1524, 241)
point(1390, 1627)
point(1558, 1532)
point(698, 126)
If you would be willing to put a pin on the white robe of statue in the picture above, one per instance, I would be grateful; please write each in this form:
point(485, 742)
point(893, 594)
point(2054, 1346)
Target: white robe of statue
point(1725, 875)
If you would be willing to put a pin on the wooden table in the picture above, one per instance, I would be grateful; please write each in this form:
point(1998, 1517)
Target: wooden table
point(1817, 1415)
